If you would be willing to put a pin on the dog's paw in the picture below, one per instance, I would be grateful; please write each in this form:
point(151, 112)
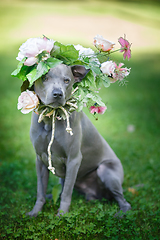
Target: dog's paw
point(32, 214)
point(60, 213)
point(126, 207)
point(64, 207)
point(123, 210)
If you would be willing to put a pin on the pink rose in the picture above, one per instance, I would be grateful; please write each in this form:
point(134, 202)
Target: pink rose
point(32, 48)
point(102, 44)
point(27, 101)
point(100, 110)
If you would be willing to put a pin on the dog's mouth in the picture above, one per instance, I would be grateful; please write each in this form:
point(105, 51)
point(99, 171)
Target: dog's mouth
point(55, 104)
point(54, 100)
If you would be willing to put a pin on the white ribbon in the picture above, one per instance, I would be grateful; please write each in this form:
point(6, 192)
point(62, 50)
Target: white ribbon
point(68, 128)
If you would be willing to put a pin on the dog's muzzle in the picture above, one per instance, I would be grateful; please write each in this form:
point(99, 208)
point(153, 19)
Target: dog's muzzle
point(58, 97)
point(57, 94)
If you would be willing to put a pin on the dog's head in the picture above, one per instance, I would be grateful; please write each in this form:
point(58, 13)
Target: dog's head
point(55, 87)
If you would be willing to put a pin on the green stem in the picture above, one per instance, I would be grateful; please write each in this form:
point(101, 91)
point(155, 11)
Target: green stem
point(107, 53)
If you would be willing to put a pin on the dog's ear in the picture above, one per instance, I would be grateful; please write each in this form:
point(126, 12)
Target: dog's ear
point(79, 72)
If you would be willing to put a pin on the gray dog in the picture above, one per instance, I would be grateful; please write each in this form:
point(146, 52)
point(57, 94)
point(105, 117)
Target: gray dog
point(83, 161)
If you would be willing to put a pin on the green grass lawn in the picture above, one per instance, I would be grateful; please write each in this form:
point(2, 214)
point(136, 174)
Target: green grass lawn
point(135, 104)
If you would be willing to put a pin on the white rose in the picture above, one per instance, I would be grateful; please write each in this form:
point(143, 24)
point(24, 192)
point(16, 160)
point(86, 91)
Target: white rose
point(84, 51)
point(27, 101)
point(32, 47)
point(103, 44)
point(108, 68)
point(88, 52)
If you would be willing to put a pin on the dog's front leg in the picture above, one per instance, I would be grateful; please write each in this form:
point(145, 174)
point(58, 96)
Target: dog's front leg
point(42, 181)
point(72, 168)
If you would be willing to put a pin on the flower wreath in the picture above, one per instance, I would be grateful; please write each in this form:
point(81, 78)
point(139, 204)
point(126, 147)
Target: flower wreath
point(38, 55)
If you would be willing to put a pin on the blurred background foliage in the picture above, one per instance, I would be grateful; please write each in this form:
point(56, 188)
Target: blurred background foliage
point(131, 123)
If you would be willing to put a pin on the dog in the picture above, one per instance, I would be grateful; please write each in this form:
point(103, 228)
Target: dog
point(83, 161)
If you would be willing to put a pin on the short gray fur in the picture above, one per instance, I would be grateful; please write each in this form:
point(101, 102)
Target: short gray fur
point(85, 160)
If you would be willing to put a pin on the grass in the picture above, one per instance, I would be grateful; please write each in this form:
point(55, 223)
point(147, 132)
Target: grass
point(135, 104)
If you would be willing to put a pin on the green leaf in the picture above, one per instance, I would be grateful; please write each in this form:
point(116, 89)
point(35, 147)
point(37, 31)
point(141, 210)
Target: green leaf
point(66, 53)
point(95, 66)
point(79, 62)
point(23, 72)
point(24, 86)
point(80, 105)
point(20, 65)
point(37, 72)
point(53, 62)
point(32, 76)
point(14, 73)
point(80, 93)
point(86, 59)
point(89, 80)
point(61, 113)
point(98, 81)
point(96, 98)
point(55, 180)
point(56, 50)
point(42, 68)
point(103, 58)
point(55, 192)
point(90, 76)
point(105, 81)
point(96, 69)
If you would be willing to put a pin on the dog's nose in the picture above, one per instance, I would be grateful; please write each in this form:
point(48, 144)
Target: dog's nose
point(57, 93)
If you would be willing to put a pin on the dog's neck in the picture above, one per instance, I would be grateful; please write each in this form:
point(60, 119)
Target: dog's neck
point(47, 123)
point(65, 111)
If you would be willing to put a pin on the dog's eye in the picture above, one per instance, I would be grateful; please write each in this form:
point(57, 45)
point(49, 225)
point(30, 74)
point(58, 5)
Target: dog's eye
point(66, 80)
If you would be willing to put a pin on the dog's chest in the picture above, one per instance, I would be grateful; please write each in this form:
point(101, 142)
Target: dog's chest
point(59, 151)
